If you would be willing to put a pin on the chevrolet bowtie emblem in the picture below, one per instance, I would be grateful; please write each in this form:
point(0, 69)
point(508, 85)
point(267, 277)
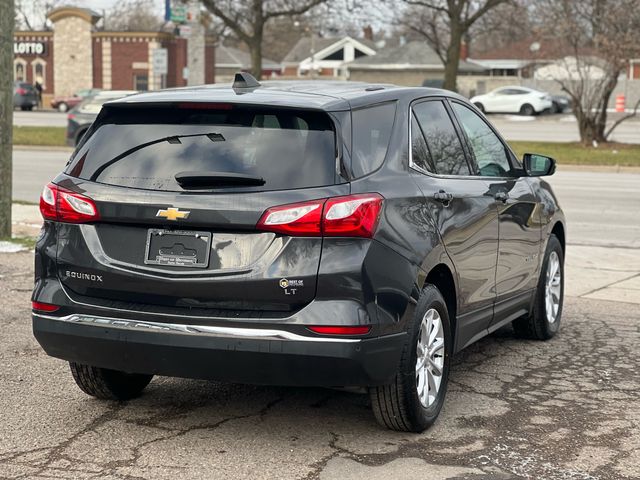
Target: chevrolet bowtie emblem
point(172, 214)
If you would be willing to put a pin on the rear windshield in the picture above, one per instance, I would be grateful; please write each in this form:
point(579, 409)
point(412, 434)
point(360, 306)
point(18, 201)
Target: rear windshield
point(146, 148)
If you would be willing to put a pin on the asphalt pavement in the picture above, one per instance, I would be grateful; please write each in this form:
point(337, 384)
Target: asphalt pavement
point(39, 118)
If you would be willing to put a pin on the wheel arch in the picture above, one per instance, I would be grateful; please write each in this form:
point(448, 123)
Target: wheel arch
point(442, 277)
point(558, 231)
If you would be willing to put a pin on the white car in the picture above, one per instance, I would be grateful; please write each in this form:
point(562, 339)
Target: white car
point(526, 101)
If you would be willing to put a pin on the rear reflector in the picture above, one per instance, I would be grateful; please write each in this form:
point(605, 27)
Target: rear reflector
point(62, 205)
point(348, 216)
point(44, 307)
point(335, 330)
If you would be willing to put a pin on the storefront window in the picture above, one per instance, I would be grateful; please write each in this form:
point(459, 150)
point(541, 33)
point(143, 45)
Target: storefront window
point(141, 82)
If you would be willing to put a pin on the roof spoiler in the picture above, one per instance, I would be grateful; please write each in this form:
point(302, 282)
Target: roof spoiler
point(244, 81)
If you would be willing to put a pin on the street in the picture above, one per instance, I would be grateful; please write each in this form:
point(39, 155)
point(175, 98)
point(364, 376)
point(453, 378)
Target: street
point(593, 220)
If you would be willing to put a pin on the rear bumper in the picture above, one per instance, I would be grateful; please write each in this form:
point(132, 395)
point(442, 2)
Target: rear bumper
point(244, 355)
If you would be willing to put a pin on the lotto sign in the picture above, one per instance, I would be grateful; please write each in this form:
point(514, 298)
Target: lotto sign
point(28, 48)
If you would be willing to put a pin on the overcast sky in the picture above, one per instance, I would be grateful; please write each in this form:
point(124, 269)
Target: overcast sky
point(100, 5)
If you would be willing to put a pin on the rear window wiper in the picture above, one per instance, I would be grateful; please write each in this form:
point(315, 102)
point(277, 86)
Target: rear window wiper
point(217, 179)
point(172, 139)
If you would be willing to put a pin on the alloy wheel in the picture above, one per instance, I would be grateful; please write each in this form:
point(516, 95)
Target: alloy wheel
point(553, 287)
point(430, 353)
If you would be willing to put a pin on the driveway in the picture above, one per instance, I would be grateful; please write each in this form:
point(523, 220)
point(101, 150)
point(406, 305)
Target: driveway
point(564, 409)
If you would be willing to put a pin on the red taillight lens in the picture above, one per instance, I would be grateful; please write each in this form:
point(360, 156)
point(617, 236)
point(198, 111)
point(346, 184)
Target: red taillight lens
point(62, 205)
point(349, 216)
point(352, 216)
point(334, 330)
point(71, 116)
point(21, 91)
point(44, 307)
point(296, 219)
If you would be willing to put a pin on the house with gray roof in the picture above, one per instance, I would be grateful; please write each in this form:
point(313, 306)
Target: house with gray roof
point(413, 64)
point(229, 60)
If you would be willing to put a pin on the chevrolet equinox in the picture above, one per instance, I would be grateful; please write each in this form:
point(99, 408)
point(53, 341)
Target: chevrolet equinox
point(294, 233)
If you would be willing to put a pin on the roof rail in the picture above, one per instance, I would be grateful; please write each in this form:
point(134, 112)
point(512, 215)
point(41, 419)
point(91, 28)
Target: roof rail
point(244, 80)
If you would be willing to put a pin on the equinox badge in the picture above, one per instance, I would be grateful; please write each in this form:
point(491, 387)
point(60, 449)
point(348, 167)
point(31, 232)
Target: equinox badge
point(173, 214)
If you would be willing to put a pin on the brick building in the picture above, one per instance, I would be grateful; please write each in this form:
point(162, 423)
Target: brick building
point(76, 55)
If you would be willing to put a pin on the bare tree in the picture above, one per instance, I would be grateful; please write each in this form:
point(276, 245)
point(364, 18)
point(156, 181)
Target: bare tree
point(132, 15)
point(444, 24)
point(600, 37)
point(247, 20)
point(32, 14)
point(7, 20)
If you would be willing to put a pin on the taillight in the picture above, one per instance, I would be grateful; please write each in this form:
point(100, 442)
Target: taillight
point(349, 216)
point(71, 116)
point(21, 91)
point(296, 219)
point(44, 307)
point(352, 216)
point(62, 205)
point(339, 330)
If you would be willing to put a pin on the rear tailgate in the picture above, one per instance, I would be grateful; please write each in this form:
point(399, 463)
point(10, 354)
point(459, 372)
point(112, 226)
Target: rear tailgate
point(161, 243)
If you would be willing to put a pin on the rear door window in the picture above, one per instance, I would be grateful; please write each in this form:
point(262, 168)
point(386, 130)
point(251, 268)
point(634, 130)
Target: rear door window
point(444, 146)
point(147, 147)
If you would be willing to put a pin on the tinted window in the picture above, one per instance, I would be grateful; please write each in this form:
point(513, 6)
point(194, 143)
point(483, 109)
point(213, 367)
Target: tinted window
point(371, 133)
point(146, 148)
point(489, 152)
point(444, 146)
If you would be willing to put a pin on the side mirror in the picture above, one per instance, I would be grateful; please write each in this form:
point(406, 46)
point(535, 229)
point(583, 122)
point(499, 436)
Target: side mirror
point(538, 165)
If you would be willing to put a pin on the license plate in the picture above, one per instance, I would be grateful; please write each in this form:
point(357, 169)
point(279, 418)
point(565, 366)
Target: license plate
point(177, 248)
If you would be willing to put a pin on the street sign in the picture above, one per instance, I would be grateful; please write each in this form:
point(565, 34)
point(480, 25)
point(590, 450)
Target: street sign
point(185, 31)
point(179, 13)
point(160, 61)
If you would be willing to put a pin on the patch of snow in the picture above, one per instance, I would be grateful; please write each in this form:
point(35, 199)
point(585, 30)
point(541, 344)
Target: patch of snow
point(520, 118)
point(10, 247)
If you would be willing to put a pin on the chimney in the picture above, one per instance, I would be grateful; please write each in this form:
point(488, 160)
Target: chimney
point(464, 50)
point(367, 32)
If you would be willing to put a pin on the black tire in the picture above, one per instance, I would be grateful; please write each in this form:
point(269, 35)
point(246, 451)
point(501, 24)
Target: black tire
point(480, 107)
point(527, 110)
point(397, 406)
point(537, 325)
point(108, 384)
point(24, 108)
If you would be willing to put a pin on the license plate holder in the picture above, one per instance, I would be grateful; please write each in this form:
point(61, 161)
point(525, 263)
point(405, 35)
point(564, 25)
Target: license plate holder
point(177, 248)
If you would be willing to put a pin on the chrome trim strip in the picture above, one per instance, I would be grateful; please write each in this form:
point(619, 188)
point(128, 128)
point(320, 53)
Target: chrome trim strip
point(205, 330)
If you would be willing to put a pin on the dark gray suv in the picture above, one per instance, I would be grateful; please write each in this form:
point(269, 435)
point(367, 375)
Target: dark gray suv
point(303, 233)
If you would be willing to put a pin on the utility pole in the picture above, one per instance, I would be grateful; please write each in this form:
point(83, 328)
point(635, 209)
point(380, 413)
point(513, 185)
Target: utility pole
point(7, 20)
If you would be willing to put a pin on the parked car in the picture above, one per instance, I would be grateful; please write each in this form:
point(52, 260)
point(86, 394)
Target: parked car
point(525, 101)
point(80, 118)
point(560, 103)
point(25, 96)
point(64, 104)
point(299, 233)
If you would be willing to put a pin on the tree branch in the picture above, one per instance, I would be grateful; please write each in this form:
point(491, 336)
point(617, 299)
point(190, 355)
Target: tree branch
point(622, 119)
point(292, 11)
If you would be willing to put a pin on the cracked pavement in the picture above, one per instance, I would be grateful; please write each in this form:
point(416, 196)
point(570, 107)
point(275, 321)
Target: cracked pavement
point(563, 409)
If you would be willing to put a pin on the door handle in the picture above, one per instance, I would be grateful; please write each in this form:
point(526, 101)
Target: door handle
point(502, 197)
point(443, 197)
